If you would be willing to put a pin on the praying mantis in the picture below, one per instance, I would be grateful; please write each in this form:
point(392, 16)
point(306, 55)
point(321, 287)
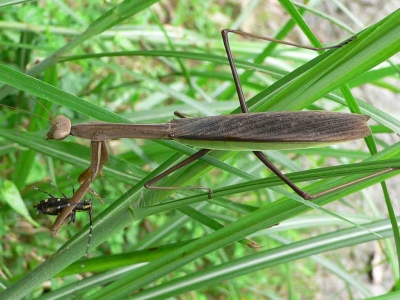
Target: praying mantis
point(242, 132)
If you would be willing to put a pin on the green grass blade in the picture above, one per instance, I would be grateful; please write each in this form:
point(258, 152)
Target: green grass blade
point(269, 258)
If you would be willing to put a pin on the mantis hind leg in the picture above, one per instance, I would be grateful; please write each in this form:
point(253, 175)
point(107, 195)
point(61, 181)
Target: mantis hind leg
point(244, 108)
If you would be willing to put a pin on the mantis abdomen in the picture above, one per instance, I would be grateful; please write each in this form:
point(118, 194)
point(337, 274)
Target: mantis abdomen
point(270, 131)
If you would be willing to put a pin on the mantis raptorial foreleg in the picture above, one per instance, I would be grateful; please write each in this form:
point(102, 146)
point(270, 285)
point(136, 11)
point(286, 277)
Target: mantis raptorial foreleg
point(99, 156)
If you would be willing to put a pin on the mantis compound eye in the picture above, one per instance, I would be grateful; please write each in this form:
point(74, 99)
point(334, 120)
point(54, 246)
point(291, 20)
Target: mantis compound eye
point(60, 129)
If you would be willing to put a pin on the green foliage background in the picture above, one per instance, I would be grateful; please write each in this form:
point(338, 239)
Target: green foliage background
point(138, 62)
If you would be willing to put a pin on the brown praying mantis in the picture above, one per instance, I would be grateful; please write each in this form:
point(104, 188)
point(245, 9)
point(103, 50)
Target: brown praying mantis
point(241, 132)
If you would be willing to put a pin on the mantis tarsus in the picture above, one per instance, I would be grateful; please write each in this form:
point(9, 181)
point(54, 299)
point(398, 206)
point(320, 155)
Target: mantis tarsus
point(246, 131)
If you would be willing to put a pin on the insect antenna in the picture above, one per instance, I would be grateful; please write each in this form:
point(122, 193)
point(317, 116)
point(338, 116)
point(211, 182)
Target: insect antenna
point(36, 188)
point(30, 113)
point(44, 107)
point(59, 191)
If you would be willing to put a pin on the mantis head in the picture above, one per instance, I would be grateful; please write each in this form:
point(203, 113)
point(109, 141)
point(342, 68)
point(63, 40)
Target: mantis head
point(60, 130)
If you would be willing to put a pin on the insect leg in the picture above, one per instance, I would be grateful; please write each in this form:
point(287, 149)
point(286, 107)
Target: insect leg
point(99, 157)
point(90, 232)
point(182, 115)
point(73, 215)
point(190, 159)
point(95, 166)
point(313, 196)
point(244, 108)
